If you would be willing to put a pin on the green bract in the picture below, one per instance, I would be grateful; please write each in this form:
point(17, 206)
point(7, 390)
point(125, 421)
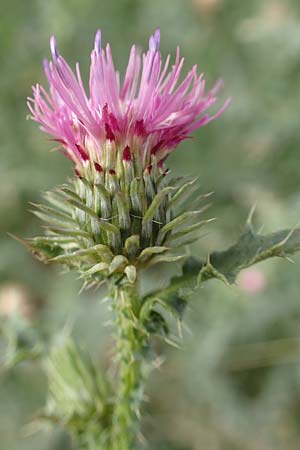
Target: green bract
point(117, 222)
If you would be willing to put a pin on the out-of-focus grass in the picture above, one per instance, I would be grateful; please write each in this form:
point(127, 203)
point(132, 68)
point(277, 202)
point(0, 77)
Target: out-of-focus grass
point(235, 383)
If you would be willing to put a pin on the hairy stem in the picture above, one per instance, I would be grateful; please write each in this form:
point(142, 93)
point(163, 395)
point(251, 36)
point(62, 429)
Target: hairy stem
point(129, 391)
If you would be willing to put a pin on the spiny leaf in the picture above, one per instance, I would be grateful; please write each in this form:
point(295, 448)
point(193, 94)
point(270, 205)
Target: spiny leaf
point(76, 389)
point(156, 324)
point(174, 306)
point(250, 249)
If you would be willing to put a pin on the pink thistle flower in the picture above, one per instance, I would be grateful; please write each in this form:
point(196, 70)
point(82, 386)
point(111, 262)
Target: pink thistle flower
point(252, 281)
point(148, 114)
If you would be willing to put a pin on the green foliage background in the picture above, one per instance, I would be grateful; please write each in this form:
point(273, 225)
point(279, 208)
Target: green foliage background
point(235, 382)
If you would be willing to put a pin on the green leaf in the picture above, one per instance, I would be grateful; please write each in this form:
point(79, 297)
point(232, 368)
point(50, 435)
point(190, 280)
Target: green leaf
point(225, 265)
point(19, 342)
point(156, 324)
point(252, 248)
point(77, 390)
point(153, 320)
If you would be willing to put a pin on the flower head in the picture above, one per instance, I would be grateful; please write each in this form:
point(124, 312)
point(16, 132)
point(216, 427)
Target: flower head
point(143, 118)
point(122, 212)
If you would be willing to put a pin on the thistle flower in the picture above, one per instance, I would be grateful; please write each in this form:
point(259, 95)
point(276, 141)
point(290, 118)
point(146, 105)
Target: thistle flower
point(146, 116)
point(119, 136)
point(119, 214)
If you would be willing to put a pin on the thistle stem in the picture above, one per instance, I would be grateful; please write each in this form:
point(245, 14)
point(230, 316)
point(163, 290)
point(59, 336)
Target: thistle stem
point(130, 343)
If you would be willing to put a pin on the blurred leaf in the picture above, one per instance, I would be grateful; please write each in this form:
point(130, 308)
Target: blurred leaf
point(79, 395)
point(21, 342)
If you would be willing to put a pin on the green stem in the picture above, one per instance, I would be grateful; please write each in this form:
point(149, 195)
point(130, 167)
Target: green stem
point(130, 343)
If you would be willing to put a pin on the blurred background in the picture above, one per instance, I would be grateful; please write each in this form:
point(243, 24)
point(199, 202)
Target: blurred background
point(235, 382)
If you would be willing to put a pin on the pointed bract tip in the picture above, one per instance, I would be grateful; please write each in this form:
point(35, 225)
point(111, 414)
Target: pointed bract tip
point(154, 40)
point(97, 45)
point(53, 48)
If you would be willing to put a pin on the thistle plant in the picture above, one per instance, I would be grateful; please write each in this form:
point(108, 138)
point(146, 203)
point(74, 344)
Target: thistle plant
point(121, 213)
